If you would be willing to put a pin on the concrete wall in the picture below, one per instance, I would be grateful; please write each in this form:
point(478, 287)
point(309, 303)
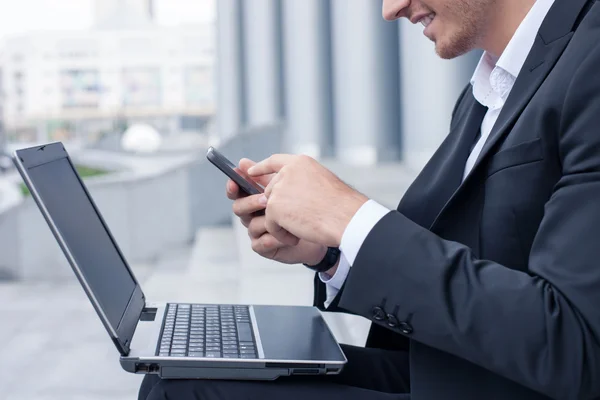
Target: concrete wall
point(9, 254)
point(147, 213)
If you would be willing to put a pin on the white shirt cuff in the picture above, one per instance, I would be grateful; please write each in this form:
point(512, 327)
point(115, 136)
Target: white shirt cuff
point(359, 228)
point(335, 282)
point(355, 234)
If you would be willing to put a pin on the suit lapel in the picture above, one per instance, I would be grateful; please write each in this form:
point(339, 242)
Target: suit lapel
point(538, 65)
point(443, 173)
point(552, 39)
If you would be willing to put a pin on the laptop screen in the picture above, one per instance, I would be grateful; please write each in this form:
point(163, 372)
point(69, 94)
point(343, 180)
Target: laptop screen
point(85, 235)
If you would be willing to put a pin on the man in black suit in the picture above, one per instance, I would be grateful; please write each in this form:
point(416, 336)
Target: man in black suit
point(485, 282)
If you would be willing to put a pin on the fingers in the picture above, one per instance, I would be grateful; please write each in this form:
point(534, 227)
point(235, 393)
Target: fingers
point(232, 190)
point(271, 165)
point(245, 206)
point(263, 242)
point(256, 227)
point(246, 164)
point(280, 234)
point(246, 220)
point(269, 187)
point(267, 245)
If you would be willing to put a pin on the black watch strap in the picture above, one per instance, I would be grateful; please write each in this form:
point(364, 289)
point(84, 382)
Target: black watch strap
point(328, 262)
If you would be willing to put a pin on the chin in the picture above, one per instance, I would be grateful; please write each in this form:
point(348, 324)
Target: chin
point(448, 51)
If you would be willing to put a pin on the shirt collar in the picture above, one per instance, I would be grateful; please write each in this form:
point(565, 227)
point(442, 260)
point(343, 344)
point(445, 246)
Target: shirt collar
point(494, 78)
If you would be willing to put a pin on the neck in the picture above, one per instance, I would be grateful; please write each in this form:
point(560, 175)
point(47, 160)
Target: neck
point(502, 28)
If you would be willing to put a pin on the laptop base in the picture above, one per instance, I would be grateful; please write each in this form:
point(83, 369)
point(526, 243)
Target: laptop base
point(228, 371)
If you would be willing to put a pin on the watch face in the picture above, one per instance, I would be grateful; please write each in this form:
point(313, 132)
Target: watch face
point(331, 257)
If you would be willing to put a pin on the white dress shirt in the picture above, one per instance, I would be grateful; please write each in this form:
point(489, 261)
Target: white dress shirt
point(492, 82)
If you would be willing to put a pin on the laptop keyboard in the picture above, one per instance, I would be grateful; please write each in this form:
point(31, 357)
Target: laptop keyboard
point(210, 331)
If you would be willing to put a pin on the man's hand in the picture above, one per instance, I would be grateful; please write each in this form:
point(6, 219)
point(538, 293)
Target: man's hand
point(292, 250)
point(305, 200)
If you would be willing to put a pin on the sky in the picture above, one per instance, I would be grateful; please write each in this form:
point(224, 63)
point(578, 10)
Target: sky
point(18, 16)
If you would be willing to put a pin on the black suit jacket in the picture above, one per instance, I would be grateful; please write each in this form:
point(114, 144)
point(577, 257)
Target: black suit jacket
point(494, 283)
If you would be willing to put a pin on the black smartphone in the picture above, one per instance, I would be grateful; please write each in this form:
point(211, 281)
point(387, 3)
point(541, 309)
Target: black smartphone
point(246, 184)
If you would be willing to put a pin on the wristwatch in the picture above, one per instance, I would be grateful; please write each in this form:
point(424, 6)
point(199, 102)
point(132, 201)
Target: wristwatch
point(328, 262)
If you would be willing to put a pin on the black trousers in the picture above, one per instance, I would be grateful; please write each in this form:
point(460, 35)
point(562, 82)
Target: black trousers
point(369, 374)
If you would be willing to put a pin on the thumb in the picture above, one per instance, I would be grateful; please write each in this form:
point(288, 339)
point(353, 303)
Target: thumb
point(263, 180)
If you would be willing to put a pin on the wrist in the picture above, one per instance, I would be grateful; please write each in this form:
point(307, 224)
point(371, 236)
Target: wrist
point(331, 258)
point(356, 201)
point(318, 256)
point(330, 273)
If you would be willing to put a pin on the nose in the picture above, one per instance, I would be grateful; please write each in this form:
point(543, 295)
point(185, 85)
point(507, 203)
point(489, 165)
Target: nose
point(394, 9)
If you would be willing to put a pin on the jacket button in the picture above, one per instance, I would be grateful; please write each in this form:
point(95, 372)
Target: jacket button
point(405, 328)
point(378, 314)
point(392, 321)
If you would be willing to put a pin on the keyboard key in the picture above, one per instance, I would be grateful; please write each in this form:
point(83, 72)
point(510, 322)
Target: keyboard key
point(196, 354)
point(213, 354)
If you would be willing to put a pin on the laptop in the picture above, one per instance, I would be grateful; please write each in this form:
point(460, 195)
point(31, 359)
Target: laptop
point(196, 341)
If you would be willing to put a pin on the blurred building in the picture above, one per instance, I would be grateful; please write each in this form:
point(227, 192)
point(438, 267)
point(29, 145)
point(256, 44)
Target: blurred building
point(125, 70)
point(344, 82)
point(118, 14)
point(2, 132)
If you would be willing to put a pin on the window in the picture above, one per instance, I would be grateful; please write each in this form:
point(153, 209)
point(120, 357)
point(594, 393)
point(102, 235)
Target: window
point(199, 86)
point(142, 86)
point(80, 88)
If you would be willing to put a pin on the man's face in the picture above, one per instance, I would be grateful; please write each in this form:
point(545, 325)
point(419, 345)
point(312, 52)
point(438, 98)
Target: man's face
point(456, 26)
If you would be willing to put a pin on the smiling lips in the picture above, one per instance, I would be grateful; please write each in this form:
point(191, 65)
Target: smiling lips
point(426, 20)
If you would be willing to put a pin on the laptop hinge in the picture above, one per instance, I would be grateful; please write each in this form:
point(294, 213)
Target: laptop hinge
point(130, 319)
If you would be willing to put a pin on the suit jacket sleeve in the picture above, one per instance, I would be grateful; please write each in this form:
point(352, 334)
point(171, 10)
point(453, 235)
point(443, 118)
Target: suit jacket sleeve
point(542, 328)
point(320, 290)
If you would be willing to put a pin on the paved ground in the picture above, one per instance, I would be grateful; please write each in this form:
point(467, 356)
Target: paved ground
point(52, 345)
